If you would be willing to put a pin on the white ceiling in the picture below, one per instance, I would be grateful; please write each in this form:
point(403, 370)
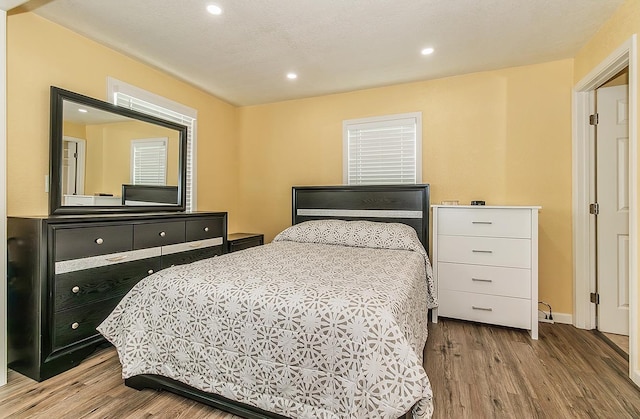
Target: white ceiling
point(335, 46)
point(71, 113)
point(10, 4)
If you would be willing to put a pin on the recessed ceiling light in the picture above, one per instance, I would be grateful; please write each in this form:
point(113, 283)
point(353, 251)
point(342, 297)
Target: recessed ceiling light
point(83, 110)
point(214, 10)
point(427, 51)
point(292, 76)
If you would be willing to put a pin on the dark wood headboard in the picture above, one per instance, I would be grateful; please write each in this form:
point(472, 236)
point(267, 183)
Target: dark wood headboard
point(149, 195)
point(407, 204)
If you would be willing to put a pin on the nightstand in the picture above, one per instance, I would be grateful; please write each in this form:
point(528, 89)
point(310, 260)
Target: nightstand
point(240, 241)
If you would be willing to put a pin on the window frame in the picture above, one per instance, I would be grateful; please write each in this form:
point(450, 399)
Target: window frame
point(115, 86)
point(346, 124)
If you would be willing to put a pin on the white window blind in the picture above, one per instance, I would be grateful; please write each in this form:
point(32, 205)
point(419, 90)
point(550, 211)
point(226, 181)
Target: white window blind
point(140, 105)
point(383, 150)
point(149, 161)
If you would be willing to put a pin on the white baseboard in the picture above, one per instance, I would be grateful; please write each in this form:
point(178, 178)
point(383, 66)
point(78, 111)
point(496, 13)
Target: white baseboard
point(563, 318)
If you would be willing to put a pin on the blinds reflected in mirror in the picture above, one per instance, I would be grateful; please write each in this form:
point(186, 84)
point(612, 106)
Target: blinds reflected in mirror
point(149, 161)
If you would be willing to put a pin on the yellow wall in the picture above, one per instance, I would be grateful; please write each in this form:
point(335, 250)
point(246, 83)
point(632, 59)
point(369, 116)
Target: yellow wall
point(41, 53)
point(108, 153)
point(503, 136)
point(74, 130)
point(620, 79)
point(115, 154)
point(619, 28)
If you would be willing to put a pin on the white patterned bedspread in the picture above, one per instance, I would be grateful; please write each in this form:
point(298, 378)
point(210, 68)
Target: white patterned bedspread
point(306, 330)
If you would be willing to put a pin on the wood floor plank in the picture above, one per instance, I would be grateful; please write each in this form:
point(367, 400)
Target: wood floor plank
point(620, 341)
point(476, 372)
point(567, 373)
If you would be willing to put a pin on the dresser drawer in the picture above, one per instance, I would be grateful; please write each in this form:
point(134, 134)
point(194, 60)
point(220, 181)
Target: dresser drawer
point(189, 246)
point(515, 253)
point(71, 326)
point(505, 311)
point(193, 255)
point(79, 287)
point(80, 242)
point(508, 282)
point(158, 234)
point(487, 222)
point(205, 228)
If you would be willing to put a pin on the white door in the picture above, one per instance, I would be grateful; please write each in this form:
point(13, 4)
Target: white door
point(612, 185)
point(73, 162)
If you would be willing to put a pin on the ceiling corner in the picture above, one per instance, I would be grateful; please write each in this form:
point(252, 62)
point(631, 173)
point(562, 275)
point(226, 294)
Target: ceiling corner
point(10, 4)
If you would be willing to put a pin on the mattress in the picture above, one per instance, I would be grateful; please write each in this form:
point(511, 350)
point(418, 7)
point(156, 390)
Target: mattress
point(328, 321)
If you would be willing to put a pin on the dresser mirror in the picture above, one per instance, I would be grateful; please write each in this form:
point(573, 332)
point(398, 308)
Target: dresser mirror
point(106, 158)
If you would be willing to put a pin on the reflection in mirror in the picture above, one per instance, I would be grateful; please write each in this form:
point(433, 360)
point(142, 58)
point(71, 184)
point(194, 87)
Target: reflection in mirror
point(102, 151)
point(108, 159)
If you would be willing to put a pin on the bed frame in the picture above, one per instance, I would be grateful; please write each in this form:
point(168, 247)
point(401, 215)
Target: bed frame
point(408, 204)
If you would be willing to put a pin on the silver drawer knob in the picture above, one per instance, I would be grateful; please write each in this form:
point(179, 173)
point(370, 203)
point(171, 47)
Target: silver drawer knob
point(75, 325)
point(99, 240)
point(162, 234)
point(75, 289)
point(150, 271)
point(206, 229)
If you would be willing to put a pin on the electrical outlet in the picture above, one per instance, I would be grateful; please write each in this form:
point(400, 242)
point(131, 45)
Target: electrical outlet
point(541, 319)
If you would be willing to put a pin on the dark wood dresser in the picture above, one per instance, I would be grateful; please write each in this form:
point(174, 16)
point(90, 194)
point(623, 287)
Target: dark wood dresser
point(67, 273)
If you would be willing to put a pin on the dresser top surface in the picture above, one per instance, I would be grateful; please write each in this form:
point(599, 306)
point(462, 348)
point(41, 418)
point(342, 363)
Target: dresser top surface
point(532, 207)
point(119, 216)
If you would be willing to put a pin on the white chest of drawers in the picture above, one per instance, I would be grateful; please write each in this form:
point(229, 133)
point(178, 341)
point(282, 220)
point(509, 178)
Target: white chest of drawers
point(485, 263)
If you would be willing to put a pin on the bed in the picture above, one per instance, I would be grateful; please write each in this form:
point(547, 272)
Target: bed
point(327, 321)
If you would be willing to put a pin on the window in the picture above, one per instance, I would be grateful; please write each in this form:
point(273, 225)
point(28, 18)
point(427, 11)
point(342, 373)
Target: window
point(123, 94)
point(149, 161)
point(383, 150)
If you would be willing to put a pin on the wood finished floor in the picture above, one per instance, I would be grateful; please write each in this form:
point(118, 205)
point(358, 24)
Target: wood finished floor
point(620, 341)
point(476, 372)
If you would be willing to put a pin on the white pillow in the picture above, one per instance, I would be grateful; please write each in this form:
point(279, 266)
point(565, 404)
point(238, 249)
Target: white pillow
point(355, 234)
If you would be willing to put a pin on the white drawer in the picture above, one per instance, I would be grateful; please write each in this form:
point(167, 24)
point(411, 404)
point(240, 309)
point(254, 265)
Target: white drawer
point(508, 282)
point(487, 222)
point(505, 311)
point(515, 253)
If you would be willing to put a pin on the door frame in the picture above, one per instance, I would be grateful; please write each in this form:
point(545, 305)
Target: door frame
point(3, 196)
point(82, 153)
point(583, 187)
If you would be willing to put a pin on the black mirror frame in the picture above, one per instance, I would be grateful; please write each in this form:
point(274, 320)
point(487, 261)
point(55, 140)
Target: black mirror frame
point(58, 96)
